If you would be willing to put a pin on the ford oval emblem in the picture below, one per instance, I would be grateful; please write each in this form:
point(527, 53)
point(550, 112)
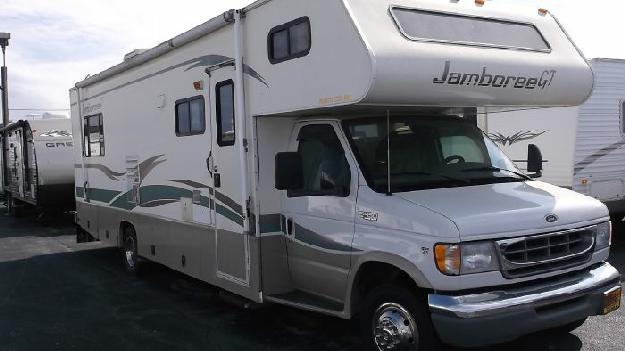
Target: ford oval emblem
point(551, 218)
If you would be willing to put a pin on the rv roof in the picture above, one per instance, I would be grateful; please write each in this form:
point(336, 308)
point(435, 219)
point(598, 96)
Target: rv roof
point(139, 57)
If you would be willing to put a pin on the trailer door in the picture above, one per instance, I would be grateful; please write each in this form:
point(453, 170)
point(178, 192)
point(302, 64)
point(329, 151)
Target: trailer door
point(232, 245)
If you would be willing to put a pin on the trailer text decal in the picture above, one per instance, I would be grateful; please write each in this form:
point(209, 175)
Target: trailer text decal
point(486, 79)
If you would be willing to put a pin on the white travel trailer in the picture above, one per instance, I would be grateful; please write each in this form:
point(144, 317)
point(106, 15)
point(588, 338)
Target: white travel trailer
point(392, 204)
point(39, 163)
point(584, 146)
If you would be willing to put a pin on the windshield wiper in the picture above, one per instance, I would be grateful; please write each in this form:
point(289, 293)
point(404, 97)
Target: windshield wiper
point(465, 181)
point(496, 169)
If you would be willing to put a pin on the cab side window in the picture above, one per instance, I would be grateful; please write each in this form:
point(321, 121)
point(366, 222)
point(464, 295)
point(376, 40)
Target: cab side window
point(325, 168)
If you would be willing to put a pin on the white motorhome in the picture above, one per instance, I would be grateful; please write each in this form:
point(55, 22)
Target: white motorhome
point(583, 146)
point(39, 163)
point(324, 155)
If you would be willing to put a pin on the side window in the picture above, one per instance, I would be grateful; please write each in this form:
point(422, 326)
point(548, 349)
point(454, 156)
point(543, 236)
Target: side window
point(289, 41)
point(190, 116)
point(94, 136)
point(462, 146)
point(225, 113)
point(326, 171)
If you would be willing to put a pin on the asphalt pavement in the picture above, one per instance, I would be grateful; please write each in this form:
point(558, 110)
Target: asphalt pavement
point(59, 295)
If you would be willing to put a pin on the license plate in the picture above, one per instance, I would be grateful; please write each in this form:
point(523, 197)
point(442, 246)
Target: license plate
point(611, 300)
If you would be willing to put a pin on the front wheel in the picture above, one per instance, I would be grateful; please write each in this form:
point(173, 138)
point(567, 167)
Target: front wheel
point(394, 319)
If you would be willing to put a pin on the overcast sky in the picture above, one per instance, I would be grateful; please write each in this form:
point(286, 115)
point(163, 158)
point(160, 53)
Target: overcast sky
point(56, 43)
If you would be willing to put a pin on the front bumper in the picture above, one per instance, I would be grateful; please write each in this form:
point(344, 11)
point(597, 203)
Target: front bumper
point(504, 315)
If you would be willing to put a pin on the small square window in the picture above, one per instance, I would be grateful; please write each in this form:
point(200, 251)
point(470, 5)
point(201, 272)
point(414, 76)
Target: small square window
point(289, 41)
point(190, 116)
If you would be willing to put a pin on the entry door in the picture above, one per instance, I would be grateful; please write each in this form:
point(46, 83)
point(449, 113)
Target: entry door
point(232, 245)
point(319, 217)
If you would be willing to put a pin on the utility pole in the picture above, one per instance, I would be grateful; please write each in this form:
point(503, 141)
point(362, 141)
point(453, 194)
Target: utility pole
point(4, 81)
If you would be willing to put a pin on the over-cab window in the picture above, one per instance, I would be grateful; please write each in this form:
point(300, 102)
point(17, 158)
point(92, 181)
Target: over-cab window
point(326, 171)
point(289, 41)
point(190, 116)
point(421, 25)
point(94, 136)
point(225, 113)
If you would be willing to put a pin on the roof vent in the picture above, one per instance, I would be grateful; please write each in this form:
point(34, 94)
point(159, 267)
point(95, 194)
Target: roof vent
point(134, 53)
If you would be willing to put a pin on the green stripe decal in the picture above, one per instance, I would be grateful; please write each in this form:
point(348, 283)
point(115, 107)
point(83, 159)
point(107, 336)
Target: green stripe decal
point(102, 195)
point(80, 192)
point(154, 196)
point(226, 212)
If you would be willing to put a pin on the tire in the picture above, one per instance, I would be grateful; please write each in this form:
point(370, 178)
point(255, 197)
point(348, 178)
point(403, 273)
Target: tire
point(567, 328)
point(132, 262)
point(394, 319)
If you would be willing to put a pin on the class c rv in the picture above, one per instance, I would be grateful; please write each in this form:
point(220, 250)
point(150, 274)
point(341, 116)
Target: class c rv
point(583, 146)
point(325, 155)
point(38, 163)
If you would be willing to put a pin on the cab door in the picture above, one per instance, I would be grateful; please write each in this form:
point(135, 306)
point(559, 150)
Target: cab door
point(319, 217)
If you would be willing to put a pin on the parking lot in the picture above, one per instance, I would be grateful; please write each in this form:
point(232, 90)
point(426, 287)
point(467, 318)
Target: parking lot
point(59, 295)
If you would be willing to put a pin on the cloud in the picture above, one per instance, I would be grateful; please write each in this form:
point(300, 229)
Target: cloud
point(55, 44)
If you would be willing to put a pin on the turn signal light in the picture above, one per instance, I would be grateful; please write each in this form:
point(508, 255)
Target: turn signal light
point(543, 11)
point(448, 258)
point(480, 2)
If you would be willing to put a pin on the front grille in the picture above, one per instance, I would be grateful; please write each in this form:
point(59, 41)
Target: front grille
point(521, 257)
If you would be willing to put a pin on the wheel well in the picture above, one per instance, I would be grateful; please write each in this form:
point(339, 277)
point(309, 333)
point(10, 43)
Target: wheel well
point(373, 274)
point(122, 232)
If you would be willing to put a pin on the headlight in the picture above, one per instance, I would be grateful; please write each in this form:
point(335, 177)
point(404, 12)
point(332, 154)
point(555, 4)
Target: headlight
point(603, 235)
point(469, 258)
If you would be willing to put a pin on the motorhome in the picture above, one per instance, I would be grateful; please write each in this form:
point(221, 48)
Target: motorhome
point(325, 155)
point(39, 163)
point(583, 146)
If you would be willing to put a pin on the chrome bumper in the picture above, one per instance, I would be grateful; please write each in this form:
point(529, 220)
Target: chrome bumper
point(530, 297)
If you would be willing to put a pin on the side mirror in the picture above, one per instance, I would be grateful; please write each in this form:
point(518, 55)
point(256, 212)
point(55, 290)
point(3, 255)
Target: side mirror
point(289, 172)
point(534, 161)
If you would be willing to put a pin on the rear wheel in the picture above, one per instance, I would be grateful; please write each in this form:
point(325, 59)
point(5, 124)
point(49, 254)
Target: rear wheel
point(394, 319)
point(131, 257)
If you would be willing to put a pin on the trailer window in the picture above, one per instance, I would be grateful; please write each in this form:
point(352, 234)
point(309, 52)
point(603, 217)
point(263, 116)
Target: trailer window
point(289, 41)
point(421, 25)
point(190, 116)
point(94, 136)
point(225, 113)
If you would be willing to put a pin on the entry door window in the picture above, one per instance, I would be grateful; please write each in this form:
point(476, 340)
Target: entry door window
point(325, 168)
point(225, 113)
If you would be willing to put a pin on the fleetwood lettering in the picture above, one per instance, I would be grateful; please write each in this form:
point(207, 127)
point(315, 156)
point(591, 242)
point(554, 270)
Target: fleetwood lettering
point(485, 79)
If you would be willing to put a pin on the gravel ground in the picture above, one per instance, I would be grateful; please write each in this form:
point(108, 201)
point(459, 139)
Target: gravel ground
point(58, 295)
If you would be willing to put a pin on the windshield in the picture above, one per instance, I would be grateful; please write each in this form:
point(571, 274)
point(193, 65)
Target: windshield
point(426, 153)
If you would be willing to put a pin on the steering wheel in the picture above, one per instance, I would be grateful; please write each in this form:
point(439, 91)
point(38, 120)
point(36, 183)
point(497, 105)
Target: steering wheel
point(452, 158)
